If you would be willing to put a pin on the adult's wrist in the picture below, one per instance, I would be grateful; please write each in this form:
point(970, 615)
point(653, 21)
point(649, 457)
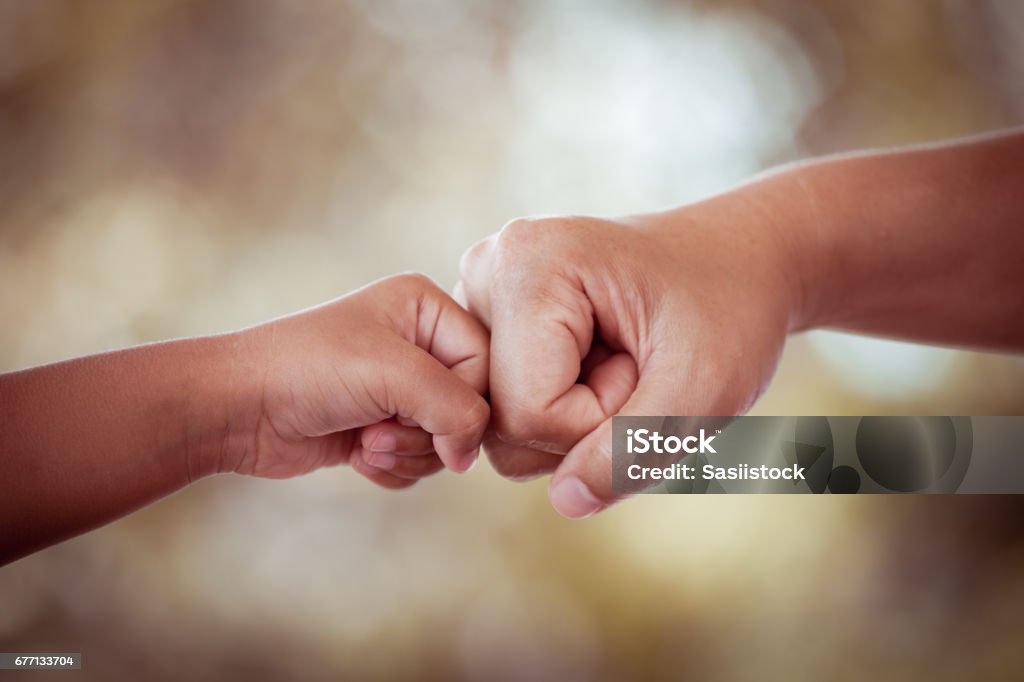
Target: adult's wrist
point(804, 229)
point(766, 232)
point(797, 215)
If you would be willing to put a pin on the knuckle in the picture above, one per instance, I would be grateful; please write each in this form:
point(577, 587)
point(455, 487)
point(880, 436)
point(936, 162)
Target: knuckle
point(471, 259)
point(414, 282)
point(524, 233)
point(518, 425)
point(540, 242)
point(510, 468)
point(516, 463)
point(398, 483)
point(543, 230)
point(501, 462)
point(478, 414)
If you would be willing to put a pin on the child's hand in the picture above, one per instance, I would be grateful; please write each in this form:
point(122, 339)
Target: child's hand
point(389, 379)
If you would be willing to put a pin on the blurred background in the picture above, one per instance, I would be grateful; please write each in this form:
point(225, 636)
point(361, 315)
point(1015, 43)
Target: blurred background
point(170, 168)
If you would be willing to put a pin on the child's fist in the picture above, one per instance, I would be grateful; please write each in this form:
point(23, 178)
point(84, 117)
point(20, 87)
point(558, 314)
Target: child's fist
point(389, 378)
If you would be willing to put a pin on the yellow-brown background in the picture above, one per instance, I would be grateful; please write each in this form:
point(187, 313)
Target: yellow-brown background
point(177, 168)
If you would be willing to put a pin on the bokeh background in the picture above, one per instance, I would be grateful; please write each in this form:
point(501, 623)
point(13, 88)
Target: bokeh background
point(178, 168)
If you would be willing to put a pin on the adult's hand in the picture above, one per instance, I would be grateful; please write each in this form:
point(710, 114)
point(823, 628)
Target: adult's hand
point(685, 312)
point(675, 313)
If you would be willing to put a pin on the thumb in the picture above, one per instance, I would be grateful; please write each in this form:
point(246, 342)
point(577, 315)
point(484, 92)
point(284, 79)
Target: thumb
point(582, 484)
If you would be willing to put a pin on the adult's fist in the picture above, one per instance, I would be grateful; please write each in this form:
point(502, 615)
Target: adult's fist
point(674, 313)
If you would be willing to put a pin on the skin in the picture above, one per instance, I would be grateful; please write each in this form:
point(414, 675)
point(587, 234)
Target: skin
point(686, 312)
point(681, 312)
point(353, 381)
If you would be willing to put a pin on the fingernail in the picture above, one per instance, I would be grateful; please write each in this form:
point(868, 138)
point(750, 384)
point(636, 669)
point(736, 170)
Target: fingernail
point(384, 442)
point(382, 460)
point(467, 461)
point(572, 498)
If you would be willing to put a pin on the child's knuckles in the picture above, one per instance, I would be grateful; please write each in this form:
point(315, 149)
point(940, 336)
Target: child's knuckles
point(414, 284)
point(476, 415)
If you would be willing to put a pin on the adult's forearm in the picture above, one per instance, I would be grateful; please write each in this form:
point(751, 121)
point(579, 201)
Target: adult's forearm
point(924, 244)
point(86, 441)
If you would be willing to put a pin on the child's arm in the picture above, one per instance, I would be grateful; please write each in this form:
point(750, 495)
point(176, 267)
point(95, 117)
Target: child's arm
point(86, 441)
point(685, 312)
